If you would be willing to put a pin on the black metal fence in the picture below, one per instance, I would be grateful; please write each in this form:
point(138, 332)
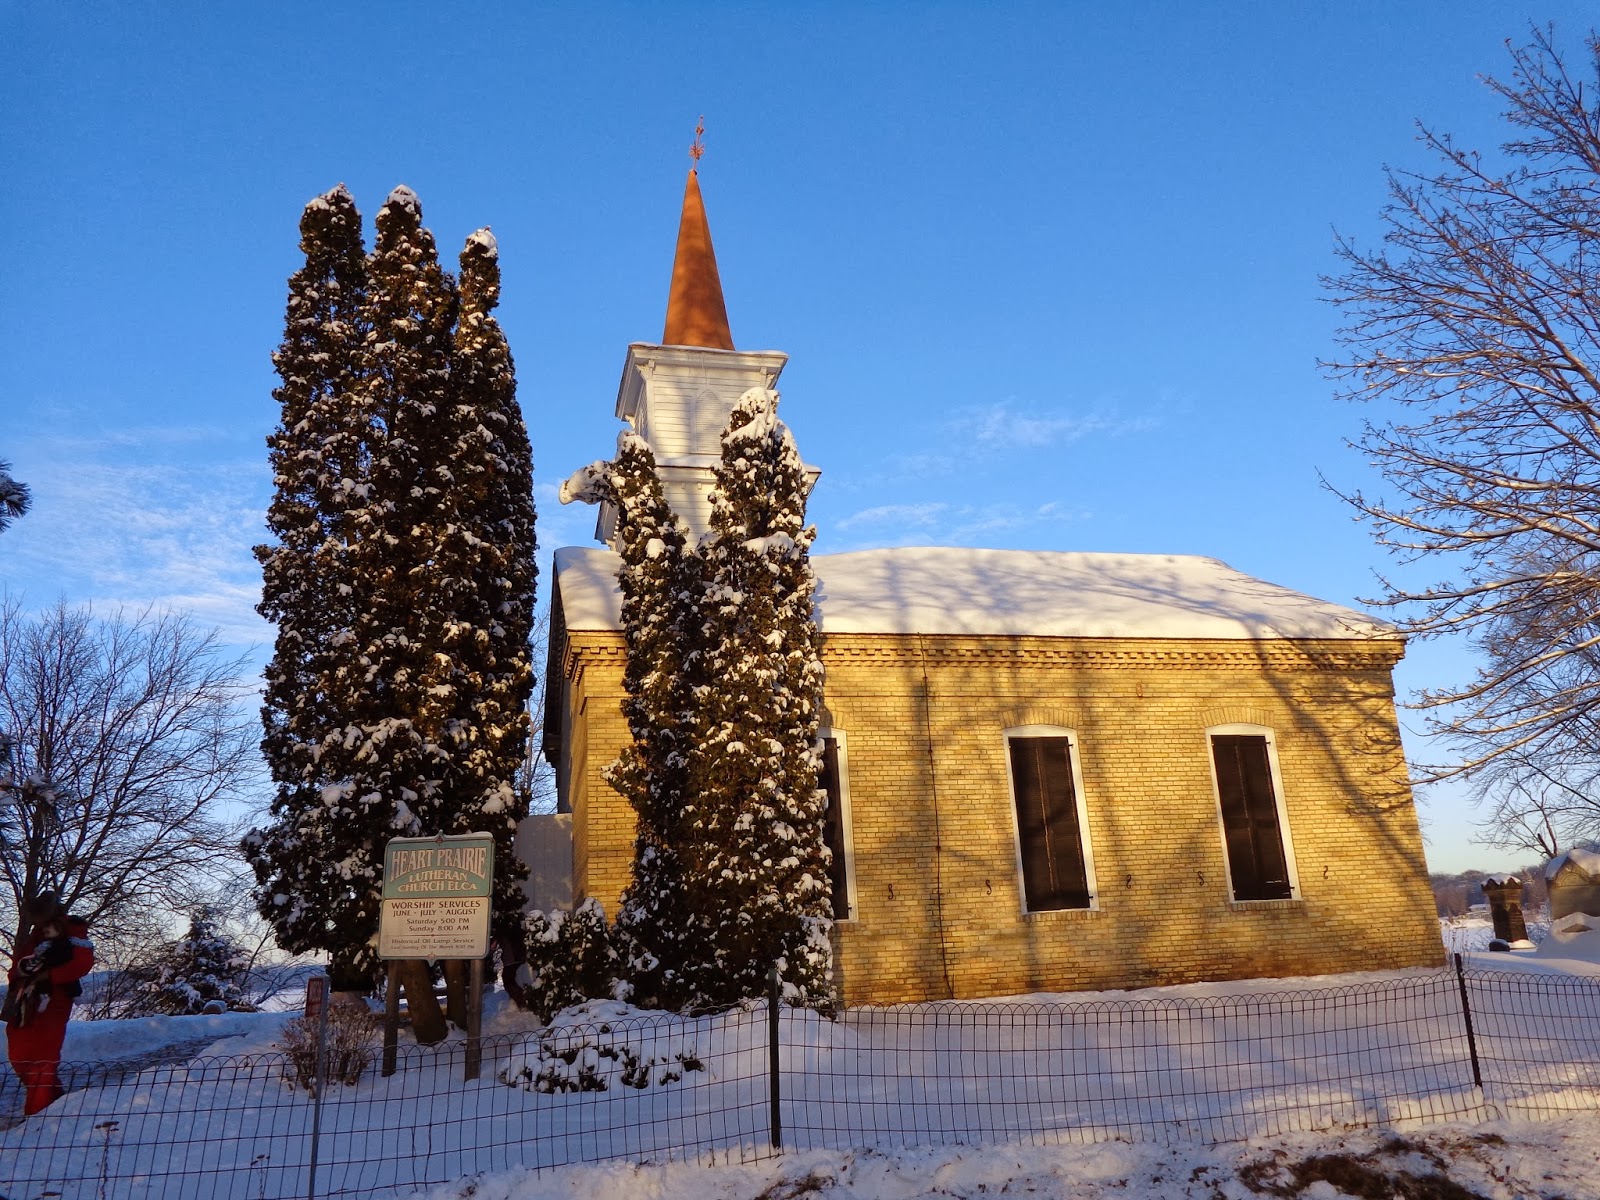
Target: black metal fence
point(748, 1083)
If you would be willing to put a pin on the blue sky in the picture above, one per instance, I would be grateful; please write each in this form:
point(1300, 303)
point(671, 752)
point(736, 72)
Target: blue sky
point(1047, 274)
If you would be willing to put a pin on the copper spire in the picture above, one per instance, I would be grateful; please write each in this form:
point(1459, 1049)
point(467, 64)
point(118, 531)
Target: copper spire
point(696, 315)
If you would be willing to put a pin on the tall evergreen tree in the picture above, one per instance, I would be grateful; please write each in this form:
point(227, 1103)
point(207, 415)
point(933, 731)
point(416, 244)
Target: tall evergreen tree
point(404, 713)
point(485, 566)
point(659, 583)
point(394, 760)
point(754, 856)
point(319, 459)
point(397, 751)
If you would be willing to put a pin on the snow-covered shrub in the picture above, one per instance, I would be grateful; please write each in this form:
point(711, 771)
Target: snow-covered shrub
point(591, 1058)
point(352, 1036)
point(568, 958)
point(203, 971)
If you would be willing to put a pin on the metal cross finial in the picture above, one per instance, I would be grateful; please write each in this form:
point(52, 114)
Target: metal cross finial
point(697, 148)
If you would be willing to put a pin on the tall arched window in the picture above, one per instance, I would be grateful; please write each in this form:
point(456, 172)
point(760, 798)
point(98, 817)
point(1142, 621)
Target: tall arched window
point(1053, 854)
point(835, 780)
point(1255, 824)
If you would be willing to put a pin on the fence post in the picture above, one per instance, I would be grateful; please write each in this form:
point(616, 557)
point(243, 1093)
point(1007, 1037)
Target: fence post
point(474, 1063)
point(1466, 1013)
point(391, 1018)
point(774, 992)
point(107, 1128)
point(321, 1083)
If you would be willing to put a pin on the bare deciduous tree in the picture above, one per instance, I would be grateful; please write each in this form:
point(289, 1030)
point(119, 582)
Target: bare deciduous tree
point(1540, 802)
point(127, 744)
point(536, 777)
point(1477, 324)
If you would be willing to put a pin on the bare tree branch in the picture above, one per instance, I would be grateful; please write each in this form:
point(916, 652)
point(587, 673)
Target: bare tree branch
point(1538, 804)
point(536, 777)
point(128, 744)
point(1476, 324)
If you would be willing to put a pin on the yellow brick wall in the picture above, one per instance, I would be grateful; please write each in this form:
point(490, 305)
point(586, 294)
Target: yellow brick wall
point(602, 822)
point(939, 899)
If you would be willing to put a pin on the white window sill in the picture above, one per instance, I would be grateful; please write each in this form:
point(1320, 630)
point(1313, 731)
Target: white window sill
point(1052, 915)
point(1291, 904)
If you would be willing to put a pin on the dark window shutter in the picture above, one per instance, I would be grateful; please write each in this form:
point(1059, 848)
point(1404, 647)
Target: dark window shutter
point(1053, 874)
point(1258, 868)
point(834, 828)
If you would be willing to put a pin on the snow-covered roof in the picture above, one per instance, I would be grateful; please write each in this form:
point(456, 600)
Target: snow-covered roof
point(1585, 860)
point(945, 590)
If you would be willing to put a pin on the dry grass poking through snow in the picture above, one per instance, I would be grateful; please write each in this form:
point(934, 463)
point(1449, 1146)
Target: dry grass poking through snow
point(795, 1189)
point(1397, 1170)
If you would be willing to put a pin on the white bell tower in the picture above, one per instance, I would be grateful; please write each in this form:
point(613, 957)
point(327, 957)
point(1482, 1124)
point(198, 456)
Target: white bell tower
point(678, 395)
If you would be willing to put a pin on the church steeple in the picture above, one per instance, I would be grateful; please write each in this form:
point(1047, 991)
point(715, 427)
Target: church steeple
point(677, 396)
point(696, 315)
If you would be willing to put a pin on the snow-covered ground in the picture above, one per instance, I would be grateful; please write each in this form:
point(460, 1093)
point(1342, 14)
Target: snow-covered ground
point(1106, 1094)
point(114, 1041)
point(1473, 930)
point(1496, 1160)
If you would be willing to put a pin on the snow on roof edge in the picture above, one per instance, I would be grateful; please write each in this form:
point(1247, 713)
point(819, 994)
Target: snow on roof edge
point(960, 591)
point(1586, 860)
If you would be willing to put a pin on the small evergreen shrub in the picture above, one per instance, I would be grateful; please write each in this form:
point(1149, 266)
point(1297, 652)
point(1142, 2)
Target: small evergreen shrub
point(569, 958)
point(203, 972)
point(593, 1058)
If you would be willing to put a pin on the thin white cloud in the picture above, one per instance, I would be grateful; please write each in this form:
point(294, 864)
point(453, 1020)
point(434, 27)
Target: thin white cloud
point(80, 444)
point(123, 522)
point(168, 516)
point(922, 464)
point(561, 524)
point(987, 433)
point(916, 515)
point(939, 523)
point(1005, 425)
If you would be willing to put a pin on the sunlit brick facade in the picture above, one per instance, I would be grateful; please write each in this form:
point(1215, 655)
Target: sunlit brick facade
point(934, 842)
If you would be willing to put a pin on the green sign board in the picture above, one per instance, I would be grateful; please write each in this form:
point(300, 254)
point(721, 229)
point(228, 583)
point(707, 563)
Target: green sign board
point(436, 897)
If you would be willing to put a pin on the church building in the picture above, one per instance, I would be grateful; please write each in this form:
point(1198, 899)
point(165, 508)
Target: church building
point(1046, 771)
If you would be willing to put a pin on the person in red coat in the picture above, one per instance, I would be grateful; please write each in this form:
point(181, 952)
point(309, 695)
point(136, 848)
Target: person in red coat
point(53, 953)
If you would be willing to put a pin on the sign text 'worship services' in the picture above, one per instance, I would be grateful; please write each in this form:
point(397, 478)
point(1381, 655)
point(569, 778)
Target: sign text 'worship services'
point(436, 897)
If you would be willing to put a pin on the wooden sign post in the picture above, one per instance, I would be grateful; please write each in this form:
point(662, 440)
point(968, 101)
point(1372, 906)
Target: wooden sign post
point(436, 900)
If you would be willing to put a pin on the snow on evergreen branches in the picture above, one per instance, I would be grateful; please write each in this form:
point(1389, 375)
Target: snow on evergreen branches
point(755, 857)
point(568, 957)
point(489, 545)
point(313, 886)
point(205, 971)
point(724, 689)
point(587, 485)
point(402, 579)
point(659, 621)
